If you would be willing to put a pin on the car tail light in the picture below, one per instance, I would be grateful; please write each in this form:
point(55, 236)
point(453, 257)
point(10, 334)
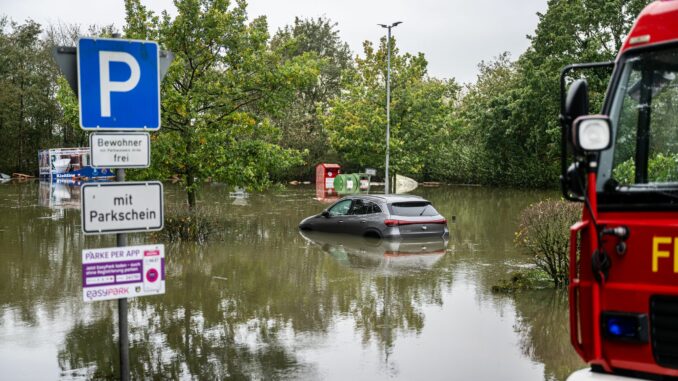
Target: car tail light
point(405, 222)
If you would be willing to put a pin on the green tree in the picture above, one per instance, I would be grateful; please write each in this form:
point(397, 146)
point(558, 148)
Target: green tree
point(67, 127)
point(223, 77)
point(300, 124)
point(420, 112)
point(510, 115)
point(28, 109)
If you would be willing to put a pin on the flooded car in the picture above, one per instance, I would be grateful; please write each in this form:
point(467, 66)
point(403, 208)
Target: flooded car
point(380, 216)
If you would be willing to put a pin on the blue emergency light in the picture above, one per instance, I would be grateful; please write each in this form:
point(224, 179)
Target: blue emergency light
point(624, 326)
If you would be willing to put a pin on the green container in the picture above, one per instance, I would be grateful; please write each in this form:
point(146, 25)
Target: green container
point(347, 183)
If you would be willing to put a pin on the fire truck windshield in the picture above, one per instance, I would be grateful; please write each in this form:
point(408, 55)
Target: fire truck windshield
point(644, 113)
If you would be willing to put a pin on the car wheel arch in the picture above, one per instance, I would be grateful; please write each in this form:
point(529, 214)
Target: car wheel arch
point(372, 233)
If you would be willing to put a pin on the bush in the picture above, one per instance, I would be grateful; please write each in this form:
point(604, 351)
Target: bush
point(526, 279)
point(661, 168)
point(544, 233)
point(184, 224)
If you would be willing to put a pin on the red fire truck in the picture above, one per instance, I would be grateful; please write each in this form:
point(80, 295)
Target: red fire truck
point(623, 166)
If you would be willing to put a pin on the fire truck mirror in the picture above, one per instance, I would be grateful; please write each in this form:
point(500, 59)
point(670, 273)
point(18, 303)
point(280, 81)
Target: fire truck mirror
point(577, 101)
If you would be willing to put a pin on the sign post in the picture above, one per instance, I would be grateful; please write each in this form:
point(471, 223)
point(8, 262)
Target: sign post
point(123, 322)
point(118, 87)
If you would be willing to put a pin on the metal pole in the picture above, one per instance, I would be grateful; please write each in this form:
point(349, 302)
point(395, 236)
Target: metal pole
point(123, 329)
point(388, 109)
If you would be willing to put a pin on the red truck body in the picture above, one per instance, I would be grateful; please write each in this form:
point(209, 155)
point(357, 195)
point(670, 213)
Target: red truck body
point(624, 284)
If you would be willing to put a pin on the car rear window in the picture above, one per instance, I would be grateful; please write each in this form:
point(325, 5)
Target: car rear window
point(413, 208)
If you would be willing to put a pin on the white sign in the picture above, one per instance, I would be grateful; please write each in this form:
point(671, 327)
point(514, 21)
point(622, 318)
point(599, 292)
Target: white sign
point(124, 207)
point(123, 272)
point(371, 171)
point(120, 150)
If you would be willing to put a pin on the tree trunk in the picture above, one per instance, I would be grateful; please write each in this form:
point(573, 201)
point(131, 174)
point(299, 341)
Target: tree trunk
point(21, 126)
point(190, 191)
point(190, 176)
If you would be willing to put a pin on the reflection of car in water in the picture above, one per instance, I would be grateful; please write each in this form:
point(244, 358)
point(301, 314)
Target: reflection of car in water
point(381, 216)
point(375, 253)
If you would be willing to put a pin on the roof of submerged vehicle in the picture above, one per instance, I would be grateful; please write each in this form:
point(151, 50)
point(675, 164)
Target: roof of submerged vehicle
point(389, 198)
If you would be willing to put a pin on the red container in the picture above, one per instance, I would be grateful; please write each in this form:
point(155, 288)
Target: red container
point(324, 181)
point(325, 174)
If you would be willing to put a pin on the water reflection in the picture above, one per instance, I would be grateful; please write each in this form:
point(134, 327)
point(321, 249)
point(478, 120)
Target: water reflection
point(269, 303)
point(542, 315)
point(59, 194)
point(384, 256)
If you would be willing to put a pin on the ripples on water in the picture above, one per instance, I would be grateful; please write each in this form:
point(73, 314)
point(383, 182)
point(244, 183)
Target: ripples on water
point(270, 303)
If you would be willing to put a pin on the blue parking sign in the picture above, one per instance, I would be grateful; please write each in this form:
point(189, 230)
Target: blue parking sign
point(119, 84)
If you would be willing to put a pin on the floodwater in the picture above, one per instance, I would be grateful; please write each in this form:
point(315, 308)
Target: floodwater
point(267, 302)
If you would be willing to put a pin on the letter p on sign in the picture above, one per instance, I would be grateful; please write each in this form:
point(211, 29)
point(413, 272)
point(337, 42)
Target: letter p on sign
point(106, 85)
point(119, 84)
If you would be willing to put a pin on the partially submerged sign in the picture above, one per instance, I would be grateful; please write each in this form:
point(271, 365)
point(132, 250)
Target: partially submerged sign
point(123, 272)
point(120, 150)
point(124, 207)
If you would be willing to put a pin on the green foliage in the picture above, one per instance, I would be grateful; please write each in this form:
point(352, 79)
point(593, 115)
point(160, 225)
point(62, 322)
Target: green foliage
point(509, 117)
point(28, 109)
point(660, 168)
point(38, 110)
point(544, 233)
point(421, 113)
point(246, 109)
point(223, 78)
point(318, 40)
point(189, 225)
point(527, 279)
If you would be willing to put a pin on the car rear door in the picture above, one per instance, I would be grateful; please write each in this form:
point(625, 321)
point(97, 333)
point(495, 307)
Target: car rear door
point(369, 218)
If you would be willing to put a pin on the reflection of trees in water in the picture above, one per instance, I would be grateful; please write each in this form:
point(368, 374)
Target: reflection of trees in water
point(165, 348)
point(486, 222)
point(388, 305)
point(485, 226)
point(233, 308)
point(543, 326)
point(41, 266)
point(232, 312)
point(484, 216)
point(91, 344)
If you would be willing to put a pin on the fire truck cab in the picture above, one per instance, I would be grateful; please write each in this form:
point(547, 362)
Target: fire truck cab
point(623, 166)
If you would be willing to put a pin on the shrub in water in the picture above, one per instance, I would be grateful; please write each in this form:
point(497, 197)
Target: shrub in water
point(544, 233)
point(184, 224)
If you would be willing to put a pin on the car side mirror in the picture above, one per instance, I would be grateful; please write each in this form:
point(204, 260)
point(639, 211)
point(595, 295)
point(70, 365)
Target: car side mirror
point(325, 213)
point(592, 133)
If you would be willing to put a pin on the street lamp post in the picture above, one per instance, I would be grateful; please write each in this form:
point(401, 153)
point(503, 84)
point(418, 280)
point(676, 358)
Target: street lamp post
point(388, 101)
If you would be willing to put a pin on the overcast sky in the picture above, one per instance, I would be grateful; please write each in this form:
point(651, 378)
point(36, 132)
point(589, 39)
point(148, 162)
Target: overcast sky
point(454, 35)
